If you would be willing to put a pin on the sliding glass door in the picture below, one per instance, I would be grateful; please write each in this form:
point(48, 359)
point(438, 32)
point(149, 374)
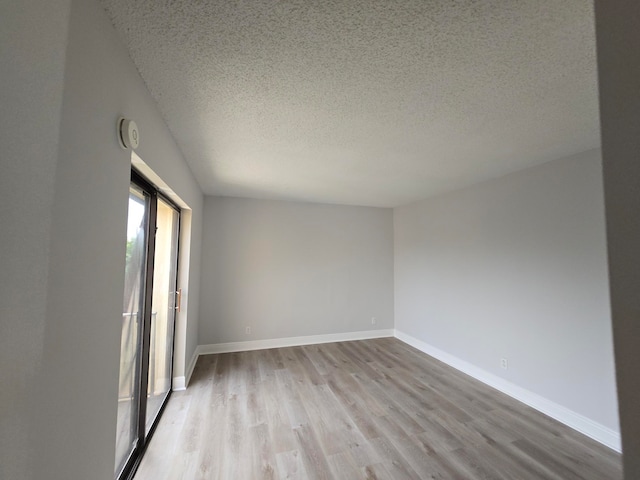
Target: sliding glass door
point(151, 299)
point(165, 300)
point(133, 306)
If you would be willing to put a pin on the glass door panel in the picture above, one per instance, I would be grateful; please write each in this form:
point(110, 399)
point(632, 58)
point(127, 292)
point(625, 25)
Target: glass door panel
point(128, 389)
point(163, 309)
point(146, 344)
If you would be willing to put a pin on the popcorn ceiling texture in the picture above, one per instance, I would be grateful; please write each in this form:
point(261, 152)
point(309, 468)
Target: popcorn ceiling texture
point(374, 103)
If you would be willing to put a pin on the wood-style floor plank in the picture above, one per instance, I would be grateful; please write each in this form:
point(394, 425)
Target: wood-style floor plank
point(371, 410)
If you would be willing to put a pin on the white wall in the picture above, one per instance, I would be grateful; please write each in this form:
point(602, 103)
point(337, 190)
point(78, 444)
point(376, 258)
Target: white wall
point(64, 207)
point(618, 42)
point(31, 88)
point(293, 269)
point(516, 268)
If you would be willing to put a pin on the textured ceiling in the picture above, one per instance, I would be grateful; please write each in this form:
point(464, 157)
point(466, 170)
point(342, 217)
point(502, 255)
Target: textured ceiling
point(365, 102)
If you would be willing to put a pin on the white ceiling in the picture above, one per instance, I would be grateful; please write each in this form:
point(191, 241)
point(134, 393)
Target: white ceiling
point(365, 102)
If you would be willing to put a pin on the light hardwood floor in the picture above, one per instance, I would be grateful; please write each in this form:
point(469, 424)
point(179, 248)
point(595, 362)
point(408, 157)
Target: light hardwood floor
point(372, 409)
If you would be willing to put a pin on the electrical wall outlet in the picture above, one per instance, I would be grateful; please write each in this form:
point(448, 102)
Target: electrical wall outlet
point(504, 363)
point(247, 330)
point(373, 320)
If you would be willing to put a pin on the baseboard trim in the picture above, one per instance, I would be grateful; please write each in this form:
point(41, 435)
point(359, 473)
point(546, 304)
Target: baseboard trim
point(179, 384)
point(192, 365)
point(292, 341)
point(582, 424)
point(182, 382)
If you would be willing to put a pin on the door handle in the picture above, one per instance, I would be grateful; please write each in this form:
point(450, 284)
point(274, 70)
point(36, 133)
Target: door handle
point(178, 306)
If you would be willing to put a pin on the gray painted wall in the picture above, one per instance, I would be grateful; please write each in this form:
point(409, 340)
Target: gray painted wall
point(618, 42)
point(31, 88)
point(64, 194)
point(516, 268)
point(292, 269)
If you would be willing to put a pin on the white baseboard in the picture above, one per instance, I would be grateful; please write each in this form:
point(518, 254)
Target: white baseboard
point(191, 366)
point(292, 341)
point(181, 383)
point(578, 422)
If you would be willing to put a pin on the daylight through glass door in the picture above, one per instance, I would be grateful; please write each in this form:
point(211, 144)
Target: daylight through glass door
point(151, 298)
point(163, 308)
point(128, 388)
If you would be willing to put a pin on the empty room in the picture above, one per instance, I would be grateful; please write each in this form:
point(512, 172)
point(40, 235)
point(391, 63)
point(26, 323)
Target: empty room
point(319, 240)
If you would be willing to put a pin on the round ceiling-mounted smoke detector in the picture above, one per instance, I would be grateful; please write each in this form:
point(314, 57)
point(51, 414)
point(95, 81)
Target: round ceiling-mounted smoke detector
point(128, 134)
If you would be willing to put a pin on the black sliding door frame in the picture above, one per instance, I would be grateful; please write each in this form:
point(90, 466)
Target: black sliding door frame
point(142, 375)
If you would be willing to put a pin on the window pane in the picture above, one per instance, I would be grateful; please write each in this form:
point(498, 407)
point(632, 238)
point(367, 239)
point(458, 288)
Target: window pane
point(163, 309)
point(131, 323)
